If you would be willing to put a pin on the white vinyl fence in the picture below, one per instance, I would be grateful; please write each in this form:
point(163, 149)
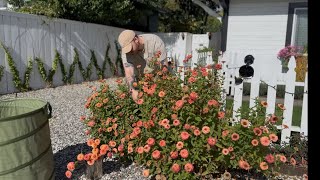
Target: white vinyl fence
point(231, 70)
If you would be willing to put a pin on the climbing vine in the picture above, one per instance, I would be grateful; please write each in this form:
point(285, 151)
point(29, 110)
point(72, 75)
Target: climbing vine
point(1, 72)
point(67, 78)
point(21, 86)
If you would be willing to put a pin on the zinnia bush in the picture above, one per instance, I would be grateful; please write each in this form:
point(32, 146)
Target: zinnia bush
point(177, 129)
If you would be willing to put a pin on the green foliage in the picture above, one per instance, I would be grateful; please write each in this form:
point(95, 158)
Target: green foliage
point(205, 49)
point(1, 72)
point(21, 86)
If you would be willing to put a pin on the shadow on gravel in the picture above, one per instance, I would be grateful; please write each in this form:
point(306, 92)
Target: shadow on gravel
point(68, 154)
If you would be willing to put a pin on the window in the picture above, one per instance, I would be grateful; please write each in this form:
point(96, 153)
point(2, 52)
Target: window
point(300, 27)
point(297, 26)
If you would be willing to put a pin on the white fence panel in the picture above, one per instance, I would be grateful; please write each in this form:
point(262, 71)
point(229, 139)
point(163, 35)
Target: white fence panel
point(304, 116)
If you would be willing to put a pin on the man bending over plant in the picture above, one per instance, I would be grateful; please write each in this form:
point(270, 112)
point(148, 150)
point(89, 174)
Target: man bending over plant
point(137, 52)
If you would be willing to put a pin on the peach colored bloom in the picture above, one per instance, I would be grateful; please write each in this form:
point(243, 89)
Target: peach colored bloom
point(165, 122)
point(151, 141)
point(140, 101)
point(140, 150)
point(184, 135)
point(213, 102)
point(184, 153)
point(106, 100)
point(263, 166)
point(244, 165)
point(154, 110)
point(130, 149)
point(230, 149)
point(225, 133)
point(257, 131)
point(70, 166)
point(146, 172)
point(225, 151)
point(91, 123)
point(244, 123)
point(269, 158)
point(90, 162)
point(120, 147)
point(109, 129)
point(186, 126)
point(162, 94)
point(175, 168)
point(221, 114)
point(211, 141)
point(174, 116)
point(179, 103)
point(68, 174)
point(191, 80)
point(188, 167)
point(80, 157)
point(281, 106)
point(146, 148)
point(90, 142)
point(273, 137)
point(98, 105)
point(112, 143)
point(176, 122)
point(122, 96)
point(264, 103)
point(137, 130)
point(293, 161)
point(174, 154)
point(254, 142)
point(193, 96)
point(196, 132)
point(218, 66)
point(179, 145)
point(235, 136)
point(273, 118)
point(97, 142)
point(87, 156)
point(205, 110)
point(264, 140)
point(94, 156)
point(156, 154)
point(167, 126)
point(162, 143)
point(139, 123)
point(102, 152)
point(205, 129)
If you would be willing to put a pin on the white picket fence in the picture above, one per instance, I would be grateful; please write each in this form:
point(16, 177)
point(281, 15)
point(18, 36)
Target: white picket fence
point(231, 69)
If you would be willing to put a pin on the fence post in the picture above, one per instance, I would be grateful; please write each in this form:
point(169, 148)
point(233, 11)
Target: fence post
point(289, 100)
point(254, 89)
point(271, 97)
point(304, 116)
point(237, 99)
point(224, 85)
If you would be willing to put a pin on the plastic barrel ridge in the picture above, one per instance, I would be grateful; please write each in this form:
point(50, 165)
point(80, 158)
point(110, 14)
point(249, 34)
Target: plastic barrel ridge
point(25, 144)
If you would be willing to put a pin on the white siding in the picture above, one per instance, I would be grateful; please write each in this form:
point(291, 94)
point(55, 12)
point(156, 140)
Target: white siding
point(259, 26)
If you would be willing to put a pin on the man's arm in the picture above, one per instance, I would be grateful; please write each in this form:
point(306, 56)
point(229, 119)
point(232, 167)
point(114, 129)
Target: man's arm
point(129, 71)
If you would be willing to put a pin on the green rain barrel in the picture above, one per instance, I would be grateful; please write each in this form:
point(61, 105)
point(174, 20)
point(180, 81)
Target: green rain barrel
point(25, 144)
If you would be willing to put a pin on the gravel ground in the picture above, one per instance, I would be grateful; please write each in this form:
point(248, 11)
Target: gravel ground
point(67, 132)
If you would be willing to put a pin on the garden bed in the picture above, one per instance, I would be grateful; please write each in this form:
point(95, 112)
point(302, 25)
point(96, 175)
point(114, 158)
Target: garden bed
point(68, 137)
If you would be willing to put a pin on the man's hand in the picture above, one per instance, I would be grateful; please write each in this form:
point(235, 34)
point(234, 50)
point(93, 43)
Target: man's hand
point(134, 94)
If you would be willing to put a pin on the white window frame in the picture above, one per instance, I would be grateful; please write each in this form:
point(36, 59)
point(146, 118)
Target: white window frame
point(294, 24)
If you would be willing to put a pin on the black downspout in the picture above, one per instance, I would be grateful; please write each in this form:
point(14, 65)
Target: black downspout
point(224, 31)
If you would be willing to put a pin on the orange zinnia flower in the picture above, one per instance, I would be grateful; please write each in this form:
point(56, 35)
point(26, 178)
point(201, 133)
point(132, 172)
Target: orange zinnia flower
point(184, 135)
point(162, 94)
point(184, 153)
point(162, 143)
point(151, 141)
point(225, 133)
point(174, 154)
point(175, 168)
point(254, 142)
point(146, 172)
point(174, 116)
point(70, 166)
point(146, 148)
point(90, 162)
point(156, 154)
point(264, 103)
point(273, 137)
point(140, 101)
point(68, 174)
point(273, 118)
point(179, 145)
point(205, 129)
point(80, 157)
point(230, 149)
point(130, 149)
point(264, 140)
point(264, 166)
point(213, 102)
point(196, 132)
point(235, 136)
point(176, 122)
point(90, 142)
point(188, 167)
point(257, 131)
point(293, 161)
point(283, 159)
point(225, 151)
point(244, 123)
point(186, 126)
point(97, 142)
point(211, 141)
point(221, 114)
point(112, 143)
point(281, 106)
point(140, 150)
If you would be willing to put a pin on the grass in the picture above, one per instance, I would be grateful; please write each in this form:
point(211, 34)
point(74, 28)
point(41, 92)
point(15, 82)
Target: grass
point(296, 117)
